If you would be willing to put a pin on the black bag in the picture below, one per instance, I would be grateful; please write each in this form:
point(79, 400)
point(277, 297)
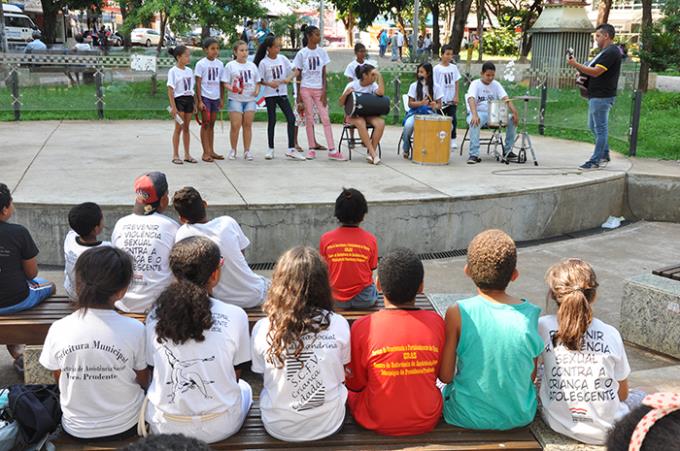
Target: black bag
point(36, 410)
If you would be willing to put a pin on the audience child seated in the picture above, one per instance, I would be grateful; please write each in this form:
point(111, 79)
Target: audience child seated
point(653, 426)
point(238, 284)
point(301, 347)
point(97, 355)
point(577, 343)
point(86, 221)
point(20, 288)
point(197, 347)
point(492, 340)
point(479, 94)
point(351, 276)
point(148, 236)
point(396, 355)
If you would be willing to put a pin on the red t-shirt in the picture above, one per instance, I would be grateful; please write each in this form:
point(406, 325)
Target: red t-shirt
point(351, 254)
point(393, 372)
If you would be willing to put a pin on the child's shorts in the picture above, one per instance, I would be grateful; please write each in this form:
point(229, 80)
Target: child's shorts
point(236, 106)
point(38, 290)
point(185, 104)
point(211, 105)
point(365, 299)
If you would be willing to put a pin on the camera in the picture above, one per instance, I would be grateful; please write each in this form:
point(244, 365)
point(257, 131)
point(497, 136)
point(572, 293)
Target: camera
point(570, 52)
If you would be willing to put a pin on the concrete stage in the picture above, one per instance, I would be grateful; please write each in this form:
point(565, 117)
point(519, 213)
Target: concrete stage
point(50, 166)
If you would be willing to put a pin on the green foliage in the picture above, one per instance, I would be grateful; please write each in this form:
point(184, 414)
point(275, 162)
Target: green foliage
point(501, 42)
point(663, 39)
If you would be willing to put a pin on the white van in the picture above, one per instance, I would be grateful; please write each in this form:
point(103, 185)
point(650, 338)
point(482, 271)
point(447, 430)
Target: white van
point(18, 26)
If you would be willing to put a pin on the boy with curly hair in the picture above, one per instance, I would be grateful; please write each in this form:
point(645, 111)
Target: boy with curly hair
point(492, 342)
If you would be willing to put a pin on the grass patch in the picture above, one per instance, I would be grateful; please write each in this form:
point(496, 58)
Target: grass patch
point(565, 117)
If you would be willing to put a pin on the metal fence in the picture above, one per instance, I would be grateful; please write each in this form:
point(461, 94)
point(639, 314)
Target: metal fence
point(96, 86)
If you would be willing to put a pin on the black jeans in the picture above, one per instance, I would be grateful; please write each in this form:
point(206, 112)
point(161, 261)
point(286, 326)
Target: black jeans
point(451, 112)
point(282, 102)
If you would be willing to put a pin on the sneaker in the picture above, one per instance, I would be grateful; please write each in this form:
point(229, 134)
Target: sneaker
point(473, 160)
point(454, 145)
point(295, 155)
point(269, 155)
point(589, 165)
point(510, 155)
point(337, 156)
point(311, 155)
point(248, 155)
point(369, 159)
point(376, 160)
point(232, 155)
point(604, 161)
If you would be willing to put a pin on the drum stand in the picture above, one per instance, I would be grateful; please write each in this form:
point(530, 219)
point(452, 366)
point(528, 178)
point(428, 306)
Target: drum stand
point(525, 143)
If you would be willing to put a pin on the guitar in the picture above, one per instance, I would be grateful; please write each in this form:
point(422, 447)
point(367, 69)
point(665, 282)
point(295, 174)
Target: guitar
point(582, 79)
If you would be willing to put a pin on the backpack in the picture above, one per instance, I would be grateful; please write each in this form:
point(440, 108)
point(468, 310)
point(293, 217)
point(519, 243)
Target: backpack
point(36, 410)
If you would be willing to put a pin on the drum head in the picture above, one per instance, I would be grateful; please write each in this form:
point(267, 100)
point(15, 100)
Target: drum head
point(350, 103)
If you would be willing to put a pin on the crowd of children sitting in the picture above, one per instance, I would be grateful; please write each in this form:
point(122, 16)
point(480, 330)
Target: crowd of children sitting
point(398, 370)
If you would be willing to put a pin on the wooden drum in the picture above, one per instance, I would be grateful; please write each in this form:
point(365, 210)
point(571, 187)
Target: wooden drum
point(432, 139)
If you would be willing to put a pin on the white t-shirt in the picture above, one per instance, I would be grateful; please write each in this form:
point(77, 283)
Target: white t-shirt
point(446, 77)
point(72, 250)
point(483, 93)
point(181, 81)
point(97, 354)
point(275, 69)
point(149, 240)
point(304, 400)
point(368, 89)
point(238, 284)
point(400, 39)
point(579, 389)
point(210, 73)
point(412, 91)
point(350, 70)
point(246, 74)
point(197, 378)
point(82, 47)
point(311, 63)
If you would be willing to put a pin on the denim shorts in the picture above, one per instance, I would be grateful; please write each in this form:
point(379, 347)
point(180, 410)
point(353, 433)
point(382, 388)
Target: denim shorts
point(236, 106)
point(365, 299)
point(38, 291)
point(211, 105)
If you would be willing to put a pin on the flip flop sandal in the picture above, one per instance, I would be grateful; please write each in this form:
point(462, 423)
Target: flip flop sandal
point(190, 160)
point(217, 156)
point(207, 160)
point(319, 147)
point(177, 161)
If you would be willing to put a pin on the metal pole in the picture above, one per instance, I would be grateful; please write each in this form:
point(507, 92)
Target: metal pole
point(397, 100)
point(3, 36)
point(321, 5)
point(635, 122)
point(416, 17)
point(15, 93)
point(541, 117)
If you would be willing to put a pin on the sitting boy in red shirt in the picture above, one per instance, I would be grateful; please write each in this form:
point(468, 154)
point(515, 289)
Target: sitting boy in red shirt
point(351, 254)
point(396, 355)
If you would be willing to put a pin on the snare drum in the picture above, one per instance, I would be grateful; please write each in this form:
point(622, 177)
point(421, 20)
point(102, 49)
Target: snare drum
point(498, 113)
point(432, 139)
point(365, 105)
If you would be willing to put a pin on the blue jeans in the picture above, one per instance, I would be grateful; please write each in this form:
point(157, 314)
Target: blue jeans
point(483, 121)
point(407, 133)
point(383, 49)
point(38, 290)
point(365, 299)
point(598, 122)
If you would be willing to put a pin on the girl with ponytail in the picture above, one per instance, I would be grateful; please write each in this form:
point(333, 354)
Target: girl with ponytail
point(97, 355)
point(197, 346)
point(584, 383)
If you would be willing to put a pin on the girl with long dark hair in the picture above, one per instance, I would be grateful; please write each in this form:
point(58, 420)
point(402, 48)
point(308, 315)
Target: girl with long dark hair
point(424, 97)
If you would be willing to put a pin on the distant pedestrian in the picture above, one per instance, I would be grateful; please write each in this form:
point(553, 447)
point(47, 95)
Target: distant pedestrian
point(394, 42)
point(400, 43)
point(383, 40)
point(36, 45)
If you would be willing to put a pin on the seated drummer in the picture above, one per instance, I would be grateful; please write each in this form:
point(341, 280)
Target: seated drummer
point(369, 81)
point(424, 97)
point(477, 99)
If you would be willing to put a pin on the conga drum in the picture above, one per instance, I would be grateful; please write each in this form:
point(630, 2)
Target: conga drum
point(365, 105)
point(432, 139)
point(498, 113)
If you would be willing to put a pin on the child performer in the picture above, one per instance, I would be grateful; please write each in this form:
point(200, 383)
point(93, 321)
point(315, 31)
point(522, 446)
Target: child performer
point(210, 96)
point(424, 97)
point(181, 96)
point(446, 75)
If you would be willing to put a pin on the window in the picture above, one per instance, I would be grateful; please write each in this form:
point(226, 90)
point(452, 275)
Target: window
point(18, 22)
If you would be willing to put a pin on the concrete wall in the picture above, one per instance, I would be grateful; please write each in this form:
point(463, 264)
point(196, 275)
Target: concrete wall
point(653, 197)
point(427, 226)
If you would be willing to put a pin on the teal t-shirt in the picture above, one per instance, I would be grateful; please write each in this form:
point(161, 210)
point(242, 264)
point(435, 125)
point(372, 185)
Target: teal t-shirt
point(492, 387)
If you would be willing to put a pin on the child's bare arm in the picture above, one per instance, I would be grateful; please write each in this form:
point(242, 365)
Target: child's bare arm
point(171, 98)
point(452, 321)
point(143, 377)
point(623, 390)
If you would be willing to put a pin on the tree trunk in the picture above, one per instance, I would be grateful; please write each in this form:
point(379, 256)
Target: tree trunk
point(349, 21)
point(50, 11)
point(459, 18)
point(603, 11)
point(164, 20)
point(435, 28)
point(480, 29)
point(205, 32)
point(646, 27)
point(527, 22)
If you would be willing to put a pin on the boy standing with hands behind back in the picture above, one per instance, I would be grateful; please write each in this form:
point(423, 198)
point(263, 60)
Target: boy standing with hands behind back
point(446, 75)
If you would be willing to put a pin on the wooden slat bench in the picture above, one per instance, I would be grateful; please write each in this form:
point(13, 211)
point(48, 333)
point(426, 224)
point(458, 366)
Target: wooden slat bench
point(30, 326)
point(352, 436)
point(671, 272)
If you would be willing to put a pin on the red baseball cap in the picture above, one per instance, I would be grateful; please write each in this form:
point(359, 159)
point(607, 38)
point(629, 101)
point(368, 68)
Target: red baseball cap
point(149, 189)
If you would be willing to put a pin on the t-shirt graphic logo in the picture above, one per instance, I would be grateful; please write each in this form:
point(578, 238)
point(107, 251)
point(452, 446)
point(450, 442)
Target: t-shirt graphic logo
point(580, 415)
point(212, 73)
point(187, 83)
point(305, 375)
point(448, 79)
point(314, 62)
point(277, 72)
point(246, 76)
point(183, 379)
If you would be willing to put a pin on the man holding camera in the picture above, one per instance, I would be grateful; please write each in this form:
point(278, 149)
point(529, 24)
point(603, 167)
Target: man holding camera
point(603, 76)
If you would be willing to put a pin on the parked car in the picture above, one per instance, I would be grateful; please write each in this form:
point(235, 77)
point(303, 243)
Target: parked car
point(116, 39)
point(145, 36)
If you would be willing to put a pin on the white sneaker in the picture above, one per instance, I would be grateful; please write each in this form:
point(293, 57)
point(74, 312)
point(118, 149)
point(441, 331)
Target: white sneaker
point(295, 155)
point(248, 155)
point(232, 155)
point(454, 145)
point(269, 155)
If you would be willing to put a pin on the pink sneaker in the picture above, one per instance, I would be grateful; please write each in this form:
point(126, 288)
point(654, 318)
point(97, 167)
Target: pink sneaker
point(338, 156)
point(311, 155)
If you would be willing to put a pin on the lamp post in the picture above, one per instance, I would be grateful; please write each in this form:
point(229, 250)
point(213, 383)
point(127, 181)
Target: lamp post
point(416, 17)
point(321, 21)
